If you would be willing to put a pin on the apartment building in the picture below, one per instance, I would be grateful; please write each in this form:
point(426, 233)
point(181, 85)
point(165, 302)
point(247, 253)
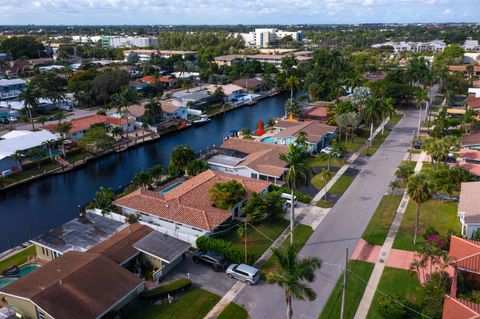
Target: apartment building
point(263, 37)
point(418, 47)
point(128, 42)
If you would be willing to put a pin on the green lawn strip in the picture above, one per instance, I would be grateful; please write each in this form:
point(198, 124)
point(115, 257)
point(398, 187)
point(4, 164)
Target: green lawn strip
point(414, 151)
point(441, 216)
point(301, 233)
point(18, 259)
point(216, 109)
point(400, 283)
point(257, 243)
point(358, 140)
point(378, 227)
point(194, 304)
point(355, 290)
point(325, 203)
point(75, 157)
point(20, 176)
point(317, 161)
point(341, 185)
point(394, 119)
point(233, 311)
point(377, 141)
point(318, 181)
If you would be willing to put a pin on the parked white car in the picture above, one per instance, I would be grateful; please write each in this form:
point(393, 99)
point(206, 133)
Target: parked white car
point(243, 272)
point(288, 199)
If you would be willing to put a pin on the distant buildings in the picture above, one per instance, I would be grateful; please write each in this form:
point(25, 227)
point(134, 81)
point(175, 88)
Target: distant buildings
point(417, 47)
point(145, 55)
point(262, 38)
point(471, 45)
point(275, 58)
point(128, 42)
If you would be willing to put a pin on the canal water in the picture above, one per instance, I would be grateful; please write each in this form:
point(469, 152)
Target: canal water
point(44, 204)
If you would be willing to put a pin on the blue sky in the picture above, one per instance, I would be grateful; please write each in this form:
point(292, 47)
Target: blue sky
point(235, 11)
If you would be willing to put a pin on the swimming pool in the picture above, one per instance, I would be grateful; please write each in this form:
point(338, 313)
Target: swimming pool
point(270, 140)
point(24, 270)
point(169, 188)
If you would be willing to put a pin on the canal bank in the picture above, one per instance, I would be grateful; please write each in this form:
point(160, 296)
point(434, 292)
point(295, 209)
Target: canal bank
point(43, 204)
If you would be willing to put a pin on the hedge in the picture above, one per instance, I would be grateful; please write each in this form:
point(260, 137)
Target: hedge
point(170, 288)
point(301, 197)
point(229, 251)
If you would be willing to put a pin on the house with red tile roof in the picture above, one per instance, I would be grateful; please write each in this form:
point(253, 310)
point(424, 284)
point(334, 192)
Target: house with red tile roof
point(469, 208)
point(466, 255)
point(167, 81)
point(184, 210)
point(82, 124)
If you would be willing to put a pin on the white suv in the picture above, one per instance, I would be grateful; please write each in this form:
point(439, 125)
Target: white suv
point(249, 274)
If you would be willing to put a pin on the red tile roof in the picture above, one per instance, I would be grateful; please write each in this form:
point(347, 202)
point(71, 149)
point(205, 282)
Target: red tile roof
point(461, 248)
point(163, 79)
point(473, 102)
point(189, 203)
point(454, 308)
point(84, 123)
point(316, 113)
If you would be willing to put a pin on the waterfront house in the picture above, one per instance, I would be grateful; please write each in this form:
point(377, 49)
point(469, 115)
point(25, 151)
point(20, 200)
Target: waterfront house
point(174, 109)
point(81, 125)
point(184, 210)
point(317, 111)
point(465, 265)
point(166, 81)
point(11, 88)
point(75, 286)
point(287, 132)
point(469, 208)
point(21, 141)
point(250, 85)
point(250, 159)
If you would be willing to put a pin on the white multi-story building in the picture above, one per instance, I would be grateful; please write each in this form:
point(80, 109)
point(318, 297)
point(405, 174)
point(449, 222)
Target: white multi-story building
point(418, 47)
point(262, 38)
point(471, 45)
point(145, 55)
point(129, 42)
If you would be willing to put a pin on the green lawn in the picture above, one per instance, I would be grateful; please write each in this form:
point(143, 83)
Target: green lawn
point(325, 203)
point(18, 259)
point(233, 311)
point(301, 233)
point(358, 140)
point(257, 243)
point(379, 225)
point(75, 157)
point(194, 304)
point(377, 141)
point(216, 108)
point(395, 119)
point(341, 185)
point(319, 160)
point(27, 173)
point(441, 216)
point(318, 182)
point(397, 282)
point(355, 290)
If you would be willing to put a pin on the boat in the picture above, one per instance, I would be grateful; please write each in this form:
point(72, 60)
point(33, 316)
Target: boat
point(11, 272)
point(204, 119)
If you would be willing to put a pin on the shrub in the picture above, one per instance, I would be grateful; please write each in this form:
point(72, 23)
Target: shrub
point(169, 288)
point(229, 251)
point(388, 308)
point(429, 232)
point(301, 197)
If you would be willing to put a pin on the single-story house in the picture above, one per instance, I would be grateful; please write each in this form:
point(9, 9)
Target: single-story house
point(472, 138)
point(465, 255)
point(228, 60)
point(196, 99)
point(11, 88)
point(167, 82)
point(184, 210)
point(230, 90)
point(22, 141)
point(469, 208)
point(174, 109)
point(318, 133)
point(317, 112)
point(250, 159)
point(82, 124)
point(75, 286)
point(250, 85)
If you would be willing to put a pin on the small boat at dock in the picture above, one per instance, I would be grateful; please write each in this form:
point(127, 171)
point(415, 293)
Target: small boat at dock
point(204, 119)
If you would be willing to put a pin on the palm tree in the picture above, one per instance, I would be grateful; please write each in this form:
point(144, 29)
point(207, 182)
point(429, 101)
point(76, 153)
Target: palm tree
point(117, 131)
point(386, 111)
point(420, 96)
point(156, 172)
point(298, 174)
point(153, 112)
point(293, 274)
point(420, 188)
point(50, 144)
point(18, 156)
point(29, 96)
point(35, 155)
point(63, 129)
point(371, 114)
point(227, 195)
point(59, 116)
point(122, 98)
point(291, 83)
point(42, 119)
point(404, 171)
point(142, 180)
point(326, 175)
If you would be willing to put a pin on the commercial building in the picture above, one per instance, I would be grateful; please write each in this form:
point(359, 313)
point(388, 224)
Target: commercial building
point(128, 42)
point(250, 159)
point(263, 37)
point(418, 47)
point(184, 210)
point(145, 55)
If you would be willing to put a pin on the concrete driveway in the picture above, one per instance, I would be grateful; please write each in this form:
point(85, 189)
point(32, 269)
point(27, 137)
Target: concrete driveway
point(216, 282)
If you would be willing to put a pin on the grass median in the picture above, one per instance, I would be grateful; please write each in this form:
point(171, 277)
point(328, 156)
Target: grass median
point(378, 227)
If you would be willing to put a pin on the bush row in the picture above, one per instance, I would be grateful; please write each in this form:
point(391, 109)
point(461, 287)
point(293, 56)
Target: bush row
point(229, 251)
point(170, 288)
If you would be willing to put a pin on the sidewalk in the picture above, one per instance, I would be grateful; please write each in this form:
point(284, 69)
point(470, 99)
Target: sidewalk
point(385, 252)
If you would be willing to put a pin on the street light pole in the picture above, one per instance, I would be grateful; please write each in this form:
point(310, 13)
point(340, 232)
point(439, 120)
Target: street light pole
point(344, 286)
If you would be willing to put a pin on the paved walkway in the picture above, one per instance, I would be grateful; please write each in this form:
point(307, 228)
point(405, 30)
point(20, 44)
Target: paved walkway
point(384, 252)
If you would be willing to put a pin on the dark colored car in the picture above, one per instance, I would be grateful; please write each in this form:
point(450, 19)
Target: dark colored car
point(210, 259)
point(417, 144)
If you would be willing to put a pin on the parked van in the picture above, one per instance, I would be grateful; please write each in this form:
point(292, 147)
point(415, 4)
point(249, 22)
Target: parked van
point(249, 274)
point(288, 199)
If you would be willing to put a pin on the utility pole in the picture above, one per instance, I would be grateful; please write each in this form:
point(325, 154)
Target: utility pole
point(344, 286)
point(245, 230)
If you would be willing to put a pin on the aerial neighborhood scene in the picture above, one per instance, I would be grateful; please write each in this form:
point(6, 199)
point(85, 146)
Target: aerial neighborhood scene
point(255, 159)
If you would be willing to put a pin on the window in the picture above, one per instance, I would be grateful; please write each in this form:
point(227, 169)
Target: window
point(47, 252)
point(43, 250)
point(41, 315)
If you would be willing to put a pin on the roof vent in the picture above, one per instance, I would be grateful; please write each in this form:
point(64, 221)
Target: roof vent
point(166, 205)
point(60, 282)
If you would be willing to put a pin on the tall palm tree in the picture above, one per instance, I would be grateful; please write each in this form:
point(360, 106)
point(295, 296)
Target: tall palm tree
point(291, 83)
point(326, 175)
point(122, 98)
point(293, 274)
point(18, 156)
point(420, 188)
point(50, 144)
point(371, 114)
point(298, 174)
point(29, 96)
point(387, 110)
point(63, 129)
point(227, 195)
point(420, 96)
point(153, 112)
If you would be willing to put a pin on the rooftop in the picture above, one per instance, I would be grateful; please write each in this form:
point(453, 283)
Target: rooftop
point(76, 286)
point(79, 234)
point(470, 201)
point(472, 138)
point(84, 123)
point(189, 203)
point(162, 246)
point(315, 130)
point(23, 140)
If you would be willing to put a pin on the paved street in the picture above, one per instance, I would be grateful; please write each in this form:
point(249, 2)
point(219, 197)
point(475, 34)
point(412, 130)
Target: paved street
point(341, 228)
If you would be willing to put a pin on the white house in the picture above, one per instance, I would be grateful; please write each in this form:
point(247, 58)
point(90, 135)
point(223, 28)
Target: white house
point(11, 88)
point(184, 210)
point(469, 208)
